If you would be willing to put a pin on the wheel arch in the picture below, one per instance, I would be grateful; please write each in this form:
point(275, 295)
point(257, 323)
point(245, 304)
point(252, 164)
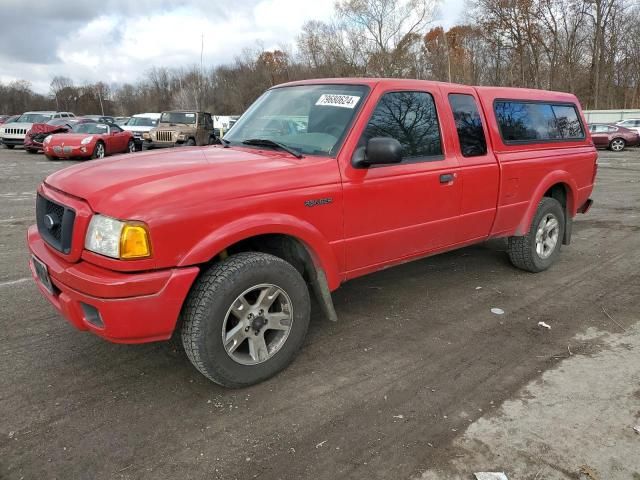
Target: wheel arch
point(289, 238)
point(562, 187)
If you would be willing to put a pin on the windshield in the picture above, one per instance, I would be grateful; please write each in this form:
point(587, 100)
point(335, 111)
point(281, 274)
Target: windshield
point(141, 122)
point(92, 128)
point(34, 118)
point(178, 117)
point(311, 119)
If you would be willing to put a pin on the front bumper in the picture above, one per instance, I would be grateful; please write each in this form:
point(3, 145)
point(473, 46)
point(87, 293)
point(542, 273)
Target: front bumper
point(131, 307)
point(31, 144)
point(148, 144)
point(12, 141)
point(80, 151)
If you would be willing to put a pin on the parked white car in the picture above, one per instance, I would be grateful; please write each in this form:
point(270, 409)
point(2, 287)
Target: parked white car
point(12, 134)
point(139, 124)
point(630, 123)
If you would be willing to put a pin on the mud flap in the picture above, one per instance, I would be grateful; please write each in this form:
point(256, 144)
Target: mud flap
point(323, 295)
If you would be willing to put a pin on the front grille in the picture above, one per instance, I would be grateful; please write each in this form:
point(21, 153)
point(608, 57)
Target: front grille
point(15, 131)
point(67, 149)
point(55, 223)
point(164, 135)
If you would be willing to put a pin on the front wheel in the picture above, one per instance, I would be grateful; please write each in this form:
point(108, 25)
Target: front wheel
point(10, 147)
point(191, 142)
point(131, 146)
point(98, 151)
point(245, 319)
point(31, 150)
point(540, 247)
point(617, 144)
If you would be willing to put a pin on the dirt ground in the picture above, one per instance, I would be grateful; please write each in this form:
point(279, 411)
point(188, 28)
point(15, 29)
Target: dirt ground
point(418, 379)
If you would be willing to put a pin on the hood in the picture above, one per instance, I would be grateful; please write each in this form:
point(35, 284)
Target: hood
point(46, 128)
point(70, 138)
point(129, 186)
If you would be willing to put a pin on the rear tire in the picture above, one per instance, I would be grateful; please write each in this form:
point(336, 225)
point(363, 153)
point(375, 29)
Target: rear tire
point(617, 144)
point(221, 303)
point(539, 248)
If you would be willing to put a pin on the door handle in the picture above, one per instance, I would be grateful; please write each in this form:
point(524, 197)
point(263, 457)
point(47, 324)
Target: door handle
point(447, 177)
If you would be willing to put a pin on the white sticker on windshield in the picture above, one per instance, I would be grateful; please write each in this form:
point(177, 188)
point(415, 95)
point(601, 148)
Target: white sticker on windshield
point(334, 100)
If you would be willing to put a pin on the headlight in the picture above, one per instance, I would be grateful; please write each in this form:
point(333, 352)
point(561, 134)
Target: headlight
point(86, 140)
point(47, 139)
point(146, 135)
point(117, 239)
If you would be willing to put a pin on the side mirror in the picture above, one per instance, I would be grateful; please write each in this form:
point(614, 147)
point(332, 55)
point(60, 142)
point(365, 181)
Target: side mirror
point(379, 151)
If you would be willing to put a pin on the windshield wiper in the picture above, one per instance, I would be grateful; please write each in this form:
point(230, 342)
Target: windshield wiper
point(265, 142)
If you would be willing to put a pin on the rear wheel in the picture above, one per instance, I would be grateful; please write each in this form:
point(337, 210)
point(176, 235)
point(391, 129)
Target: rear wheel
point(245, 319)
point(617, 144)
point(540, 247)
point(98, 151)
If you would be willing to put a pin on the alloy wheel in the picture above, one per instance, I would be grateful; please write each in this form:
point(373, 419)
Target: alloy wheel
point(257, 324)
point(547, 235)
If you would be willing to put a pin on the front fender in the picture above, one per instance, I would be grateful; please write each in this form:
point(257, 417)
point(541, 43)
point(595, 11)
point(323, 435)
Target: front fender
point(268, 223)
point(551, 179)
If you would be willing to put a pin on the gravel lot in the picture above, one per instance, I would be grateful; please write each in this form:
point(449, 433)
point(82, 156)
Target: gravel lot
point(418, 379)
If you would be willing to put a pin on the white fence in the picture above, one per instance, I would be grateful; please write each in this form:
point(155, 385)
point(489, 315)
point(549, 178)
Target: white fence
point(610, 116)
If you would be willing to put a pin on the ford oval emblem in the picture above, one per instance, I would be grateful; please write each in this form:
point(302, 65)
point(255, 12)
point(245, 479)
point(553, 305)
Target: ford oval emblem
point(51, 220)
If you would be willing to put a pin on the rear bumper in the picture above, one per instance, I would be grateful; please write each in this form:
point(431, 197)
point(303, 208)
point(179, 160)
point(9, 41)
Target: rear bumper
point(131, 307)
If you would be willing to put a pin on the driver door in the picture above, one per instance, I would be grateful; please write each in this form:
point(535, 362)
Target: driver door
point(398, 211)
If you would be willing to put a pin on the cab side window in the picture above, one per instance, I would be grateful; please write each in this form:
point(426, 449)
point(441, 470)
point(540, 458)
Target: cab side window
point(468, 124)
point(410, 118)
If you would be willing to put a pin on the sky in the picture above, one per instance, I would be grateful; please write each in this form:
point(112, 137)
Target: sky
point(115, 41)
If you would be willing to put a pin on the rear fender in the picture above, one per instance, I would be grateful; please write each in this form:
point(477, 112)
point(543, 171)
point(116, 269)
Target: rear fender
point(553, 178)
point(317, 246)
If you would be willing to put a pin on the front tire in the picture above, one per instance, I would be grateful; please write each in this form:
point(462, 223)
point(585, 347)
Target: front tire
point(191, 142)
point(131, 147)
point(10, 147)
point(617, 144)
point(245, 319)
point(31, 150)
point(98, 151)
point(539, 248)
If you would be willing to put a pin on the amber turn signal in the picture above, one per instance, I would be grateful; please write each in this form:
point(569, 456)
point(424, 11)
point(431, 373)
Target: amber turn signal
point(134, 241)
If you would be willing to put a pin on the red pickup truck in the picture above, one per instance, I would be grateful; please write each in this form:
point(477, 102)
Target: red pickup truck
point(319, 182)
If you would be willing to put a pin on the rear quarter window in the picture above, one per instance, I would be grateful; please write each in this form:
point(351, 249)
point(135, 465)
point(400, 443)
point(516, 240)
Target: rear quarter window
point(535, 122)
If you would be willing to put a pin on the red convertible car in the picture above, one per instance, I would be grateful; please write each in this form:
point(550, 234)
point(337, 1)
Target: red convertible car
point(89, 140)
